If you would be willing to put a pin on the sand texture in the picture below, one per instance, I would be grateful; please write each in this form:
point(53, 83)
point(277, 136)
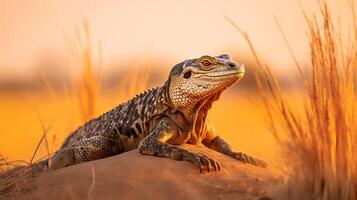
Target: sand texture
point(134, 176)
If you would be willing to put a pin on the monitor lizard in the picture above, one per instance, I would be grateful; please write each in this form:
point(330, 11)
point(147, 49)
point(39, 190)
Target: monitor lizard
point(157, 121)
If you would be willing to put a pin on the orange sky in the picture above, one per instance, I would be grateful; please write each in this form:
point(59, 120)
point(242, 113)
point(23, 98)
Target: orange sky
point(160, 29)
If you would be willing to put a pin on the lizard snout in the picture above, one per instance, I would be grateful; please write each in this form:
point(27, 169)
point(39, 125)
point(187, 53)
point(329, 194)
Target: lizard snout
point(232, 64)
point(236, 66)
point(239, 67)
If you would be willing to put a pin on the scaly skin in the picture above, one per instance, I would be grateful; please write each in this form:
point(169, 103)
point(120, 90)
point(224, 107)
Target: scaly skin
point(159, 120)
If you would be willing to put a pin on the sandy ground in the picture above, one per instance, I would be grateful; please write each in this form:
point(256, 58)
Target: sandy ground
point(134, 176)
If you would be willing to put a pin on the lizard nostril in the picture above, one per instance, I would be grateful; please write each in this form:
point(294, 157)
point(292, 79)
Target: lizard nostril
point(187, 75)
point(232, 64)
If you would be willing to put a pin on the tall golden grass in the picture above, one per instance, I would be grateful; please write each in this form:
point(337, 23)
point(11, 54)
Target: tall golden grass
point(84, 93)
point(319, 145)
point(87, 87)
point(133, 82)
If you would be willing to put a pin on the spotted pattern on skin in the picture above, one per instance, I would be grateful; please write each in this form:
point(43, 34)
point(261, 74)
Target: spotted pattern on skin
point(159, 119)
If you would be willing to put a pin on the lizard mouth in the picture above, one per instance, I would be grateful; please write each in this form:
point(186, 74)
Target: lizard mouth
point(223, 74)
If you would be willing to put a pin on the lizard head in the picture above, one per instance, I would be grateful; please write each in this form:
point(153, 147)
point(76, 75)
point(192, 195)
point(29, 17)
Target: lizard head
point(194, 80)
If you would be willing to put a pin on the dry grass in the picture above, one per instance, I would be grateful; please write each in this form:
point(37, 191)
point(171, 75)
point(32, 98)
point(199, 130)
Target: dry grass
point(84, 94)
point(14, 174)
point(320, 144)
point(86, 90)
point(91, 187)
point(133, 82)
point(87, 87)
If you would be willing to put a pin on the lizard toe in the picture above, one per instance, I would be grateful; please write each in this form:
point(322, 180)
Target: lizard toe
point(205, 163)
point(209, 163)
point(241, 157)
point(262, 163)
point(214, 164)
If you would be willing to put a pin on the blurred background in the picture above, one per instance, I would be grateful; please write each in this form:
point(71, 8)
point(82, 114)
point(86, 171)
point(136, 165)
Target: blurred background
point(64, 62)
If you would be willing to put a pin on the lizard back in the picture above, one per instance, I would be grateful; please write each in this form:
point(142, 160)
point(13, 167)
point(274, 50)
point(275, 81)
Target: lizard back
point(129, 121)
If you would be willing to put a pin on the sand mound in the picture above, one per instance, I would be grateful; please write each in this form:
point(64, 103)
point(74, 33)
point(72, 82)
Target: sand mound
point(134, 176)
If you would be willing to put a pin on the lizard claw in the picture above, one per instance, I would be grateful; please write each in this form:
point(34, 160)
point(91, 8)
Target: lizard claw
point(246, 159)
point(240, 156)
point(206, 164)
point(262, 163)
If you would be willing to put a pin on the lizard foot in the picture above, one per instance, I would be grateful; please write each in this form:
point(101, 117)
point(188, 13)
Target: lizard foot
point(205, 163)
point(249, 159)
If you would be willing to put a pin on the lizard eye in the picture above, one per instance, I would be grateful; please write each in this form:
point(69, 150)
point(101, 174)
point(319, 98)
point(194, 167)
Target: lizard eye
point(206, 63)
point(187, 75)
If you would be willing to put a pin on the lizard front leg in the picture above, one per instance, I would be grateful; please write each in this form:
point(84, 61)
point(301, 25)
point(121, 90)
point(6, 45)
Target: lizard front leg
point(154, 144)
point(217, 143)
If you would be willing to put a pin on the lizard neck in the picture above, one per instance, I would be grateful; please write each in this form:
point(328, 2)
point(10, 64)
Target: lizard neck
point(200, 115)
point(189, 112)
point(193, 116)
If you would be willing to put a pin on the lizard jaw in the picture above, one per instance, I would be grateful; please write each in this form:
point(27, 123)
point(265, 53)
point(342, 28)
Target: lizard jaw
point(229, 76)
point(238, 73)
